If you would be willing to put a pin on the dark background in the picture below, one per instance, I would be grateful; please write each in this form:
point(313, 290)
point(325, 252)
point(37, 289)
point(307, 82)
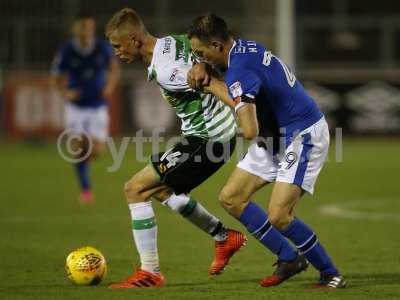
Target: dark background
point(341, 48)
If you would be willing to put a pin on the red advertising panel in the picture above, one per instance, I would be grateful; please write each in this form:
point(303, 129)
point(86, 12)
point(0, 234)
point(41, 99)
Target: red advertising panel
point(34, 109)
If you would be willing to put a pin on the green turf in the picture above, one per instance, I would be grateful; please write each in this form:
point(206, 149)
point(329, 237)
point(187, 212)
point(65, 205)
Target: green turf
point(41, 221)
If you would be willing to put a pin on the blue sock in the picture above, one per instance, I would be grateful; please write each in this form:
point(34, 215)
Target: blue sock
point(257, 223)
point(307, 242)
point(82, 169)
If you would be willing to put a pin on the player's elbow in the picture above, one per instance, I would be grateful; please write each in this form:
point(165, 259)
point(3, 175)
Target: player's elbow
point(250, 133)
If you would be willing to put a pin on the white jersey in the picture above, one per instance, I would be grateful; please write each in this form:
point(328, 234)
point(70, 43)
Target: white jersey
point(202, 115)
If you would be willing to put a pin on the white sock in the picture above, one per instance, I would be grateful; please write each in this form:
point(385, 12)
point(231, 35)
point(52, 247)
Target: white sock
point(197, 214)
point(144, 229)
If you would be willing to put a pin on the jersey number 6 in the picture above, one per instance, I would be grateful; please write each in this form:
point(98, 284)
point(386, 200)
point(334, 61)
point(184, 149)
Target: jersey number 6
point(290, 77)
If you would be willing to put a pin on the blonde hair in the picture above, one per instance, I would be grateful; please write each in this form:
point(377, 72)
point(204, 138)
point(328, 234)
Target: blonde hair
point(126, 16)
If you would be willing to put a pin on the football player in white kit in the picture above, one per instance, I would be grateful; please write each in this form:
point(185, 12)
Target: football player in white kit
point(208, 130)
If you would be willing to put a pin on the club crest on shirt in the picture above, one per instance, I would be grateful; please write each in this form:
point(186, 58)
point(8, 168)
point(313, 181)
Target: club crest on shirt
point(236, 89)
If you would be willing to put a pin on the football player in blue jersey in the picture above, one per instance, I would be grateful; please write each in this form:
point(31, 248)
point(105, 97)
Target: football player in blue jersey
point(272, 105)
point(85, 73)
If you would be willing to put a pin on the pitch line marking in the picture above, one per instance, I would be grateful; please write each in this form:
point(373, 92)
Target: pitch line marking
point(345, 212)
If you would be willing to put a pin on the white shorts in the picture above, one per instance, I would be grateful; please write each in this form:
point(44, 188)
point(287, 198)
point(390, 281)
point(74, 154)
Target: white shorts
point(91, 121)
point(301, 162)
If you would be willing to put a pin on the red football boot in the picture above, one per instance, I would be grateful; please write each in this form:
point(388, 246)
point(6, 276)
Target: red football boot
point(141, 279)
point(226, 249)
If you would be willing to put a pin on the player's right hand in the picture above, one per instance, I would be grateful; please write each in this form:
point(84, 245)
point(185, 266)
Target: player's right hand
point(198, 77)
point(71, 95)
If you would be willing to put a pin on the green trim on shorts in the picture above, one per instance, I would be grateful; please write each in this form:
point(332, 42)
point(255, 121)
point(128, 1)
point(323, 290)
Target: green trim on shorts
point(154, 169)
point(189, 208)
point(144, 224)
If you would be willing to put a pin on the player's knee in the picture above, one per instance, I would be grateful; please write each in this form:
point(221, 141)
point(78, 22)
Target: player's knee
point(225, 198)
point(97, 149)
point(79, 149)
point(132, 191)
point(127, 190)
point(162, 195)
point(279, 219)
point(95, 153)
point(232, 201)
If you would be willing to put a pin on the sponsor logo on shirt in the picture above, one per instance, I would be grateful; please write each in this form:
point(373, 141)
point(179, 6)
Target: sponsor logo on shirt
point(167, 46)
point(236, 89)
point(173, 75)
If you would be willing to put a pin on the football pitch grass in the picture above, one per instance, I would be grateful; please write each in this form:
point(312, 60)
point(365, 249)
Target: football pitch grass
point(355, 211)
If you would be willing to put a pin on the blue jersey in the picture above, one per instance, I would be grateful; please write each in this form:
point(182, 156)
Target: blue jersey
point(86, 70)
point(283, 106)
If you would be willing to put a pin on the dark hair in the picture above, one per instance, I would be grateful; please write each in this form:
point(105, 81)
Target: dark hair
point(209, 27)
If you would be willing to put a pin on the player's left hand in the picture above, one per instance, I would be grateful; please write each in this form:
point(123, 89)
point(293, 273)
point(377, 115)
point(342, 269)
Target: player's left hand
point(198, 77)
